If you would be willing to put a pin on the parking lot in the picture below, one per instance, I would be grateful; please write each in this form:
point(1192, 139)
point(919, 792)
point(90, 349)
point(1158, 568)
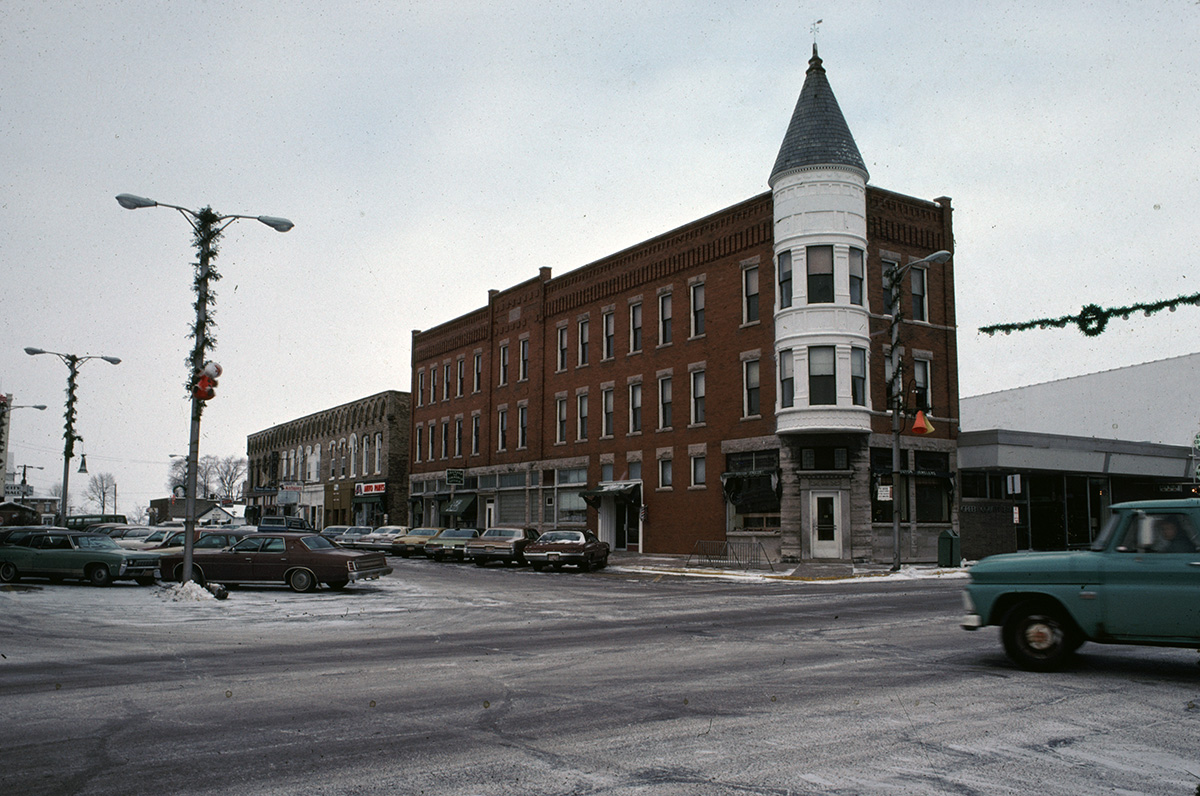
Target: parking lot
point(451, 679)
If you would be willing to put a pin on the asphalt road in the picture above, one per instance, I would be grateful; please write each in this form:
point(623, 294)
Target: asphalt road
point(448, 679)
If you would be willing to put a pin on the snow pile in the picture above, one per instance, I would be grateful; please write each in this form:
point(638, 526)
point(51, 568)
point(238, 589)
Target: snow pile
point(186, 592)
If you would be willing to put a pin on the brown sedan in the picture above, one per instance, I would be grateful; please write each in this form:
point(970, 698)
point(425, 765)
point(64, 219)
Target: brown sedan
point(301, 560)
point(558, 547)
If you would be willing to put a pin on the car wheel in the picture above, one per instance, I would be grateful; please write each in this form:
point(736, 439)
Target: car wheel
point(603, 562)
point(302, 580)
point(480, 562)
point(197, 575)
point(338, 585)
point(585, 565)
point(145, 581)
point(557, 566)
point(8, 572)
point(438, 556)
point(1037, 637)
point(538, 567)
point(99, 575)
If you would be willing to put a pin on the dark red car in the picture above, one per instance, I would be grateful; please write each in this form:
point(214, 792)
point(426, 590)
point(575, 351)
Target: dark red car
point(558, 547)
point(301, 560)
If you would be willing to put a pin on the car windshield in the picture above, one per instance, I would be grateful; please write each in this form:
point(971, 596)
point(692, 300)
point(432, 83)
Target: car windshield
point(96, 543)
point(317, 543)
point(1105, 536)
point(460, 533)
point(561, 536)
point(502, 533)
point(176, 538)
point(423, 532)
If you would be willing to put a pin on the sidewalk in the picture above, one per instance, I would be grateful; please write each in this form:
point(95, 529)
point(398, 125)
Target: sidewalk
point(678, 565)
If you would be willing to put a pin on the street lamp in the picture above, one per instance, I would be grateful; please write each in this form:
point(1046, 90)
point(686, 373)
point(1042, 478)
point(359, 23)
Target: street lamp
point(895, 275)
point(73, 362)
point(207, 226)
point(24, 483)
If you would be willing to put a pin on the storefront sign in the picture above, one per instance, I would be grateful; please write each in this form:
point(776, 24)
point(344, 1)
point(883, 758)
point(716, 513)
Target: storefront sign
point(377, 488)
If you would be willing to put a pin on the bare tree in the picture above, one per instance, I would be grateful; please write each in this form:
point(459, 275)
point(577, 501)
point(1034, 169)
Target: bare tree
point(206, 475)
point(231, 472)
point(139, 514)
point(98, 488)
point(177, 473)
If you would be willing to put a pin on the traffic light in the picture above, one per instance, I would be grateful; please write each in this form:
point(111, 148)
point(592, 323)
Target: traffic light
point(206, 381)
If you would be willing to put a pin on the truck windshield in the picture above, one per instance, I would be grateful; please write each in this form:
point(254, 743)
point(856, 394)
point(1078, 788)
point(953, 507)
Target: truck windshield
point(1106, 533)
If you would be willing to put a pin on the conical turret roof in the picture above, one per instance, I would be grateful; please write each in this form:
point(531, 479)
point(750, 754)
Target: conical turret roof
point(818, 134)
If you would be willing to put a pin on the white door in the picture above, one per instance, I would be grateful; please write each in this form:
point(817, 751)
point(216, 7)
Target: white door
point(825, 512)
point(489, 513)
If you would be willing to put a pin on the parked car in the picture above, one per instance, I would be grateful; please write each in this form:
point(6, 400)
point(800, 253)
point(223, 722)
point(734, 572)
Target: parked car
point(558, 547)
point(18, 534)
point(332, 532)
point(300, 560)
point(413, 542)
point(1138, 584)
point(280, 523)
point(205, 540)
point(450, 543)
point(93, 557)
point(381, 538)
point(506, 545)
point(353, 535)
point(128, 535)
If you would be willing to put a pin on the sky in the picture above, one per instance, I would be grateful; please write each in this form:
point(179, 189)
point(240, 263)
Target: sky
point(430, 151)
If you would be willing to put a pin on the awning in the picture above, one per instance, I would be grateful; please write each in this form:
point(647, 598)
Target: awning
point(459, 504)
point(621, 491)
point(752, 490)
point(361, 499)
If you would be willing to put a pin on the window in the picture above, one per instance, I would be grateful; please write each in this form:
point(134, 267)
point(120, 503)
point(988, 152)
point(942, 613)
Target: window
point(610, 335)
point(366, 450)
point(523, 364)
point(583, 342)
point(354, 453)
point(890, 298)
point(606, 406)
point(562, 348)
point(635, 469)
point(822, 378)
point(502, 429)
point(820, 274)
point(921, 368)
point(698, 475)
point(581, 403)
point(697, 397)
point(477, 383)
point(461, 379)
point(475, 424)
point(433, 384)
point(635, 408)
point(420, 388)
point(504, 364)
point(664, 402)
point(432, 440)
point(785, 279)
point(698, 309)
point(787, 381)
point(920, 302)
point(458, 433)
point(522, 426)
point(445, 439)
point(856, 276)
point(750, 407)
point(446, 383)
point(333, 456)
point(420, 438)
point(664, 319)
point(664, 474)
point(750, 295)
point(858, 376)
point(560, 420)
point(635, 327)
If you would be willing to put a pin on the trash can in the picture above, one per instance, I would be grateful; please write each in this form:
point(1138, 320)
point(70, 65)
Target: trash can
point(949, 550)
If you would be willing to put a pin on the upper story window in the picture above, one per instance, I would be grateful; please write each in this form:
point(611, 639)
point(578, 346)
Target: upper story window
point(581, 414)
point(635, 407)
point(502, 429)
point(920, 300)
point(522, 426)
point(560, 420)
point(664, 402)
point(561, 363)
point(787, 380)
point(420, 388)
point(698, 395)
point(433, 384)
point(750, 295)
point(523, 363)
point(635, 327)
point(820, 274)
point(460, 380)
point(921, 372)
point(445, 439)
point(822, 376)
point(856, 276)
point(477, 377)
point(353, 456)
point(419, 440)
point(664, 319)
point(606, 400)
point(785, 279)
point(858, 376)
point(458, 434)
point(610, 335)
point(446, 382)
point(750, 405)
point(583, 341)
point(889, 295)
point(504, 364)
point(697, 309)
point(475, 434)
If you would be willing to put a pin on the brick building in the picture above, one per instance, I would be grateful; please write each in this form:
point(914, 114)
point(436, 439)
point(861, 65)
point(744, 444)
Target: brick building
point(727, 380)
point(342, 466)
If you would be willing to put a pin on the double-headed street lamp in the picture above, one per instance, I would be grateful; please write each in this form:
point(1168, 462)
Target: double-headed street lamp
point(208, 227)
point(73, 362)
point(896, 274)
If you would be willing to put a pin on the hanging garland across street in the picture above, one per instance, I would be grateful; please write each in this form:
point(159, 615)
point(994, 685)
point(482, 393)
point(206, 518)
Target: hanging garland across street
point(1093, 319)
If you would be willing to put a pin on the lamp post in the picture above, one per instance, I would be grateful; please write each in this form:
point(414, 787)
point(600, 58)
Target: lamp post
point(24, 484)
point(896, 393)
point(6, 406)
point(207, 226)
point(72, 362)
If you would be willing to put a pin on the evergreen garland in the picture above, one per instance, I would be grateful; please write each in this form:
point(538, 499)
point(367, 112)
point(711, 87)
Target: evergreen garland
point(207, 233)
point(1093, 319)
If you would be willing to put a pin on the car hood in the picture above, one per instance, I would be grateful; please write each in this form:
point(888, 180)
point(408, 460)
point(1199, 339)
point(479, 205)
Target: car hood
point(1067, 566)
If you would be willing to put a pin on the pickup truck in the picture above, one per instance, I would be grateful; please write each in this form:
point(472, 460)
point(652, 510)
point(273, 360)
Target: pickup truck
point(1139, 583)
point(276, 523)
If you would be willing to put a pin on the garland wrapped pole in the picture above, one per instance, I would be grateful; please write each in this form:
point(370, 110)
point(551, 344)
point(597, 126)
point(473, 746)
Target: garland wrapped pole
point(1093, 319)
point(207, 227)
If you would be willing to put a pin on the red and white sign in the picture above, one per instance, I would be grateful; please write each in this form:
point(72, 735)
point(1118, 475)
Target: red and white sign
point(377, 488)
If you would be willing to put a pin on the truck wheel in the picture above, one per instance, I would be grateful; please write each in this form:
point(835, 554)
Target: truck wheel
point(1037, 636)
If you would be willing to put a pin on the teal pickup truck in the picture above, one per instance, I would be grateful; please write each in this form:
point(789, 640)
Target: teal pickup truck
point(1139, 583)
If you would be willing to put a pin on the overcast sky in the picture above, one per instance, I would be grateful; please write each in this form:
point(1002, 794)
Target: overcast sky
point(429, 151)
